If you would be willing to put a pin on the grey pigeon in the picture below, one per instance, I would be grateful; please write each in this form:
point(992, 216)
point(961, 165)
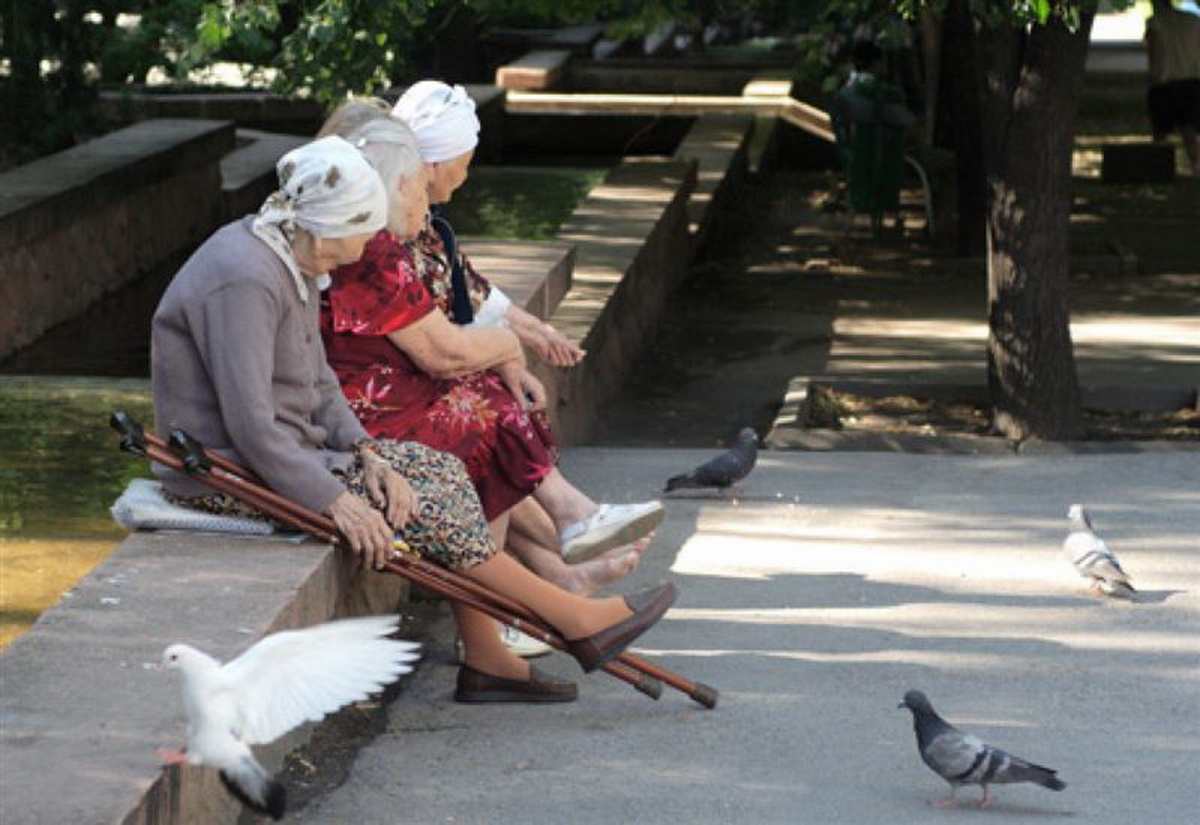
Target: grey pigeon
point(283, 680)
point(724, 470)
point(962, 759)
point(1093, 558)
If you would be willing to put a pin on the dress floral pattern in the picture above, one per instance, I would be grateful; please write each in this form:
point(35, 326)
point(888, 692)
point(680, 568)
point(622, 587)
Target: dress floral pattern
point(433, 267)
point(507, 450)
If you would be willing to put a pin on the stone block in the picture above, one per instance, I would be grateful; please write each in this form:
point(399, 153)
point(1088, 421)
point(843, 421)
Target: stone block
point(533, 274)
point(248, 172)
point(539, 70)
point(632, 249)
point(719, 144)
point(78, 224)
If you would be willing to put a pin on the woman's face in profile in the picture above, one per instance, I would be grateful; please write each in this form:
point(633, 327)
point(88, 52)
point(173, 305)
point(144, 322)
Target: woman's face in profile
point(409, 205)
point(446, 176)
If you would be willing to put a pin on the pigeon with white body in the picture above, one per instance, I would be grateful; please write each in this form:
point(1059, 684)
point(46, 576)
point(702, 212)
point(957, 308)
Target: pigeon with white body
point(1093, 558)
point(724, 470)
point(962, 759)
point(280, 682)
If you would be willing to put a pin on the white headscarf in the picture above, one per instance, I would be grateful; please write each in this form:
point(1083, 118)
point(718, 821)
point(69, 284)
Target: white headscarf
point(326, 188)
point(443, 118)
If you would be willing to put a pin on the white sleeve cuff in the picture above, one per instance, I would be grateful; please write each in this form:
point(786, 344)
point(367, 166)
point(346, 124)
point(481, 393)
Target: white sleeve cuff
point(491, 313)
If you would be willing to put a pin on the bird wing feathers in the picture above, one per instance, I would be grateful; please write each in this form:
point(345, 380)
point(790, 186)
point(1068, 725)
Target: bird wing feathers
point(1093, 558)
point(955, 755)
point(963, 759)
point(301, 675)
point(720, 471)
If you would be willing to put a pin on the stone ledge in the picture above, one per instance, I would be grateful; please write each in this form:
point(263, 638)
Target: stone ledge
point(536, 71)
point(248, 172)
point(81, 712)
point(535, 275)
point(632, 248)
point(77, 225)
point(260, 110)
point(647, 75)
point(719, 144)
point(789, 433)
point(42, 196)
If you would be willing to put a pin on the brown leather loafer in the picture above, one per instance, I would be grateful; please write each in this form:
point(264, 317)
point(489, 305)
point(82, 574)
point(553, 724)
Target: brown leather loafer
point(474, 686)
point(648, 607)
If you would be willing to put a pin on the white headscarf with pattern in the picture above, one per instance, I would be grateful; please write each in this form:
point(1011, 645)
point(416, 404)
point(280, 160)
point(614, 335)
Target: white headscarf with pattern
point(326, 188)
point(443, 118)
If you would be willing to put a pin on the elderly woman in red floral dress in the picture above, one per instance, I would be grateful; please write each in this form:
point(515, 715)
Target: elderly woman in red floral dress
point(408, 372)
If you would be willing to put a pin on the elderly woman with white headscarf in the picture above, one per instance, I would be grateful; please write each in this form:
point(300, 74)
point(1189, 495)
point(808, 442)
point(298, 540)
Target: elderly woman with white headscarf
point(237, 360)
point(486, 408)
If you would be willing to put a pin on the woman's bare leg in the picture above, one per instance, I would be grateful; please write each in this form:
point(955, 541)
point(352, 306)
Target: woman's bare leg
point(565, 503)
point(584, 578)
point(533, 538)
point(484, 651)
point(530, 519)
point(572, 616)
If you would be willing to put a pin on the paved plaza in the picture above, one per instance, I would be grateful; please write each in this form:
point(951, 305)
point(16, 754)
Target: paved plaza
point(813, 599)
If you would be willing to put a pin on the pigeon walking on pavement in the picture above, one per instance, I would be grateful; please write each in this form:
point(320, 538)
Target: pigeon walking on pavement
point(724, 470)
point(962, 759)
point(1093, 558)
point(276, 684)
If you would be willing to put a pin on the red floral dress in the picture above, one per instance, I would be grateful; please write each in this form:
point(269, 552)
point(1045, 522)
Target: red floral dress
point(507, 451)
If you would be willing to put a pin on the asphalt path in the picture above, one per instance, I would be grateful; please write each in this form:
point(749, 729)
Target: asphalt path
point(813, 598)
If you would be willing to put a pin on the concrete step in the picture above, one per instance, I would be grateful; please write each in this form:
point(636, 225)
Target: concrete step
point(534, 274)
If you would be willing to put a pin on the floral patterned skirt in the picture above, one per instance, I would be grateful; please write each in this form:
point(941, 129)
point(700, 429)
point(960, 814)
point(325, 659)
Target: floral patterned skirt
point(449, 527)
point(507, 449)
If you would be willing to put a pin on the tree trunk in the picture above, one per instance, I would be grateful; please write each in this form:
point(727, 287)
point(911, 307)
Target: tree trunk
point(961, 128)
point(1031, 88)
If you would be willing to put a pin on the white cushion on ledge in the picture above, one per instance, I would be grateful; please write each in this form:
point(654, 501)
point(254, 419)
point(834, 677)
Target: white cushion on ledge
point(143, 507)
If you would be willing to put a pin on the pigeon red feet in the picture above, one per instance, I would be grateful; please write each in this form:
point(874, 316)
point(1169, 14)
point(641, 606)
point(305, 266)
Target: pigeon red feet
point(987, 798)
point(170, 756)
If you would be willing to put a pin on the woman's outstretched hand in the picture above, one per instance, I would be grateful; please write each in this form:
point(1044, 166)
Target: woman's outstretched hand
point(550, 345)
point(366, 529)
point(555, 348)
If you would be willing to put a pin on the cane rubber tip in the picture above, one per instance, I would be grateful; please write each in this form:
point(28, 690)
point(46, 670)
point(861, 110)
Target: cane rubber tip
point(706, 695)
point(650, 686)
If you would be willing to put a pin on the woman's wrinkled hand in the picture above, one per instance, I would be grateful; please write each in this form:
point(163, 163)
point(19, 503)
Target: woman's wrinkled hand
point(366, 529)
point(525, 387)
point(390, 491)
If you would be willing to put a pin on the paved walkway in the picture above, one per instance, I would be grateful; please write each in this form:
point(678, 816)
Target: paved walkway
point(836, 582)
point(794, 292)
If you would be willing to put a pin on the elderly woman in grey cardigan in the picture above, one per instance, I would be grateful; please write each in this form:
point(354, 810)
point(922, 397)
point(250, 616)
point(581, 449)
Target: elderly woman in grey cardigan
point(237, 360)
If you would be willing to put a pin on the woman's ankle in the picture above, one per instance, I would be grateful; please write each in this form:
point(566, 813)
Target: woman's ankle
point(504, 665)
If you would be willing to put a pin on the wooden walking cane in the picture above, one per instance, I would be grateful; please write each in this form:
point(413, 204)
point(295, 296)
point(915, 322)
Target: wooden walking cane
point(187, 455)
point(196, 460)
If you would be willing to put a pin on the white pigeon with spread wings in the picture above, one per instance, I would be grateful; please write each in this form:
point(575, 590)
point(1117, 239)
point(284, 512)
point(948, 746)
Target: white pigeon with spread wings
point(1093, 558)
point(284, 680)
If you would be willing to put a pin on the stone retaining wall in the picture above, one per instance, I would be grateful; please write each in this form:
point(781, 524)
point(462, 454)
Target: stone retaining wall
point(78, 224)
point(632, 249)
point(83, 712)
